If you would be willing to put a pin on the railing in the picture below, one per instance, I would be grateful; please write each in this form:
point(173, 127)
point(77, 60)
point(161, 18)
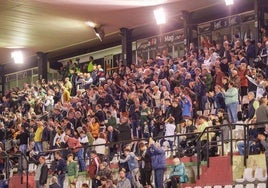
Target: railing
point(177, 138)
point(230, 140)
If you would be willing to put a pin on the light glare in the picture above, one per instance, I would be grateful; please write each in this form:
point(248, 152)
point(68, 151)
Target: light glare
point(229, 2)
point(17, 56)
point(91, 24)
point(160, 16)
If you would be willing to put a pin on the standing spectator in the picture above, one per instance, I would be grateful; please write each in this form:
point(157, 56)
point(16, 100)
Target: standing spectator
point(133, 166)
point(94, 127)
point(23, 140)
point(41, 173)
point(135, 116)
point(264, 142)
point(264, 56)
point(124, 131)
point(253, 105)
point(38, 137)
point(231, 101)
point(262, 114)
point(112, 136)
point(170, 128)
point(145, 166)
point(71, 168)
point(94, 166)
point(77, 148)
point(158, 162)
point(100, 145)
point(60, 168)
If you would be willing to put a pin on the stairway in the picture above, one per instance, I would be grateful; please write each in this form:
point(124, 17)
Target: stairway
point(15, 182)
point(218, 173)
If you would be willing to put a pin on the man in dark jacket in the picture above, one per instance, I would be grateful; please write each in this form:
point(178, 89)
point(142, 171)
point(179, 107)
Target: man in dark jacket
point(158, 162)
point(60, 168)
point(146, 165)
point(124, 132)
point(41, 173)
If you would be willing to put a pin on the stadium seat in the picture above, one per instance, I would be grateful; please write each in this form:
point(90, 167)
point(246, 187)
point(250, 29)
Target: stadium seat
point(207, 186)
point(260, 174)
point(250, 185)
point(247, 176)
point(228, 186)
point(239, 186)
point(217, 186)
point(197, 187)
point(261, 185)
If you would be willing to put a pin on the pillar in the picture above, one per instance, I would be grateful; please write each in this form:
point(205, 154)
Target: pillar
point(42, 65)
point(126, 46)
point(2, 79)
point(259, 15)
point(188, 33)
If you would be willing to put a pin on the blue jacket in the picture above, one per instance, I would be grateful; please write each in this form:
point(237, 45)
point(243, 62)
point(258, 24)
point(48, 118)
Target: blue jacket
point(179, 170)
point(158, 157)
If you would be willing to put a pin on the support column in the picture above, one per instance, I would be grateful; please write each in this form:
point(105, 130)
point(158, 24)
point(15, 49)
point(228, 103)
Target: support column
point(42, 65)
point(126, 46)
point(259, 15)
point(188, 33)
point(2, 79)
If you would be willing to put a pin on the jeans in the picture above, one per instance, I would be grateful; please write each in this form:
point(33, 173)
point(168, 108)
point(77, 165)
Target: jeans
point(159, 177)
point(135, 178)
point(135, 124)
point(38, 147)
point(23, 148)
point(81, 161)
point(241, 146)
point(232, 110)
point(61, 178)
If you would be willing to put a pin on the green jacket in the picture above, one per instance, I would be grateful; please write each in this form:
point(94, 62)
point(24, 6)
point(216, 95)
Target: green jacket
point(90, 66)
point(72, 169)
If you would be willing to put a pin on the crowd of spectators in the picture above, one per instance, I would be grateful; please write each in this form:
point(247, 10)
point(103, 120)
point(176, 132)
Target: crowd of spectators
point(161, 96)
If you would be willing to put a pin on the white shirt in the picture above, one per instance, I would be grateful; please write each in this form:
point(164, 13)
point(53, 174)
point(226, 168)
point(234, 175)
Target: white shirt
point(100, 149)
point(170, 130)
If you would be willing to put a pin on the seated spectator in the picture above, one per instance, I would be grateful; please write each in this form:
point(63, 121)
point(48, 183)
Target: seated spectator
point(123, 182)
point(178, 174)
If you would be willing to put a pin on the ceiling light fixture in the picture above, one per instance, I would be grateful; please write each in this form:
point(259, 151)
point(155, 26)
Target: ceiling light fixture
point(229, 2)
point(160, 16)
point(18, 57)
point(91, 24)
point(99, 31)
